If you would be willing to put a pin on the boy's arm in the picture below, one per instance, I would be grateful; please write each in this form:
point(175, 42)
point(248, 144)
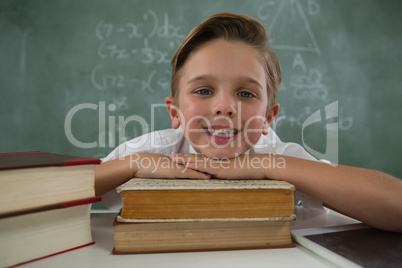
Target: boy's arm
point(111, 174)
point(372, 197)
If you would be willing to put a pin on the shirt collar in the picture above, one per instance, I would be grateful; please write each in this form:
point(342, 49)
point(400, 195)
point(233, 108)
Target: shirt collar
point(191, 149)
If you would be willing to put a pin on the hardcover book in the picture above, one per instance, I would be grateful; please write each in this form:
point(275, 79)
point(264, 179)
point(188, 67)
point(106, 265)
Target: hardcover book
point(236, 234)
point(156, 200)
point(37, 234)
point(36, 179)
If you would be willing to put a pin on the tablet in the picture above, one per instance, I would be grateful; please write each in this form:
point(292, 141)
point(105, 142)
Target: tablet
point(353, 245)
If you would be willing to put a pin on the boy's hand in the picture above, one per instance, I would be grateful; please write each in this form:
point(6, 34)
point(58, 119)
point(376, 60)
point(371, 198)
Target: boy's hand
point(245, 166)
point(148, 165)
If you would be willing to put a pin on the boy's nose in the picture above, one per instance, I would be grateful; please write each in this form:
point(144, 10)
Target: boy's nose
point(225, 106)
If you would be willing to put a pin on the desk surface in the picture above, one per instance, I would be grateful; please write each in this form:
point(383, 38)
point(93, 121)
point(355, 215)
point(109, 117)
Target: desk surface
point(99, 255)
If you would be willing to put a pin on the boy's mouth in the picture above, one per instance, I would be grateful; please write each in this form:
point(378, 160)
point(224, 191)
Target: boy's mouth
point(221, 136)
point(222, 132)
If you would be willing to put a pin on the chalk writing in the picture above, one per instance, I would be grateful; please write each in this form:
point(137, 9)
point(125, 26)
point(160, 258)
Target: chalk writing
point(309, 86)
point(151, 26)
point(288, 14)
point(292, 120)
point(149, 41)
point(103, 79)
point(135, 43)
point(107, 49)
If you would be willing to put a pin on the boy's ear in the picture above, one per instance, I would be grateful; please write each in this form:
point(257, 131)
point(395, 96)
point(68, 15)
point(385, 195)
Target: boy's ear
point(271, 115)
point(173, 111)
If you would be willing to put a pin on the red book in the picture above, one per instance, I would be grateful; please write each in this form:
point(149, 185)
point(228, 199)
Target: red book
point(33, 180)
point(39, 234)
point(41, 159)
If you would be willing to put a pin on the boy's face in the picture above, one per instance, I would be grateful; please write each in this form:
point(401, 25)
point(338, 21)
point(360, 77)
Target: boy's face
point(222, 100)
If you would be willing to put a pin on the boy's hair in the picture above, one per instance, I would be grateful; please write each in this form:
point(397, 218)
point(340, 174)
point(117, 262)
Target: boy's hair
point(230, 27)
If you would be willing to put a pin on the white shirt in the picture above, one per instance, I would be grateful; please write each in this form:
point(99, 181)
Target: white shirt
point(172, 141)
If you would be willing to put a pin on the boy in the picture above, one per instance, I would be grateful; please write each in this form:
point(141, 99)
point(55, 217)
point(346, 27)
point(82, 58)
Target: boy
point(225, 80)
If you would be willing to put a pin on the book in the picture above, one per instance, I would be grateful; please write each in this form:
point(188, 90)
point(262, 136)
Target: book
point(35, 179)
point(165, 215)
point(185, 200)
point(39, 234)
point(184, 236)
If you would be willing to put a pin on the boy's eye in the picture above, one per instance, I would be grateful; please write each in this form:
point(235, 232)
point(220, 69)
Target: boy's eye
point(245, 94)
point(204, 92)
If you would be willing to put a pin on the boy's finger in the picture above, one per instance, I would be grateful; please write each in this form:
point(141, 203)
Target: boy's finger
point(194, 174)
point(204, 168)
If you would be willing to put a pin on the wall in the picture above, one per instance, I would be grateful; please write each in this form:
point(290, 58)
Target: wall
point(70, 70)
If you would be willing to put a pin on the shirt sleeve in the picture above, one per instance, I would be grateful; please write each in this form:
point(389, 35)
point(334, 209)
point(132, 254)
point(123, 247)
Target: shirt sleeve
point(302, 200)
point(112, 199)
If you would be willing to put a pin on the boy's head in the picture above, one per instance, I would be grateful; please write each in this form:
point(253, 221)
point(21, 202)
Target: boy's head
point(224, 85)
point(230, 27)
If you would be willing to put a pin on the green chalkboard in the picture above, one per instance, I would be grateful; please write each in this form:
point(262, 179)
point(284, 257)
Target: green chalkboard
point(80, 76)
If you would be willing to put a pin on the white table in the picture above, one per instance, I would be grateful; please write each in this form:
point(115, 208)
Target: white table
point(99, 255)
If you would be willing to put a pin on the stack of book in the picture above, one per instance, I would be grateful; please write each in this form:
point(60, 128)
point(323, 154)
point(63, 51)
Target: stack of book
point(203, 215)
point(45, 202)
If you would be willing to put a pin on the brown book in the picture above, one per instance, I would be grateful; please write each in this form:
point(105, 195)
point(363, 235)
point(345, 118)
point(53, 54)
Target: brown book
point(159, 237)
point(37, 179)
point(177, 200)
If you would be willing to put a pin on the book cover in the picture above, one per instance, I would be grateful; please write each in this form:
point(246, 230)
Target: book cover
point(53, 206)
point(41, 159)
